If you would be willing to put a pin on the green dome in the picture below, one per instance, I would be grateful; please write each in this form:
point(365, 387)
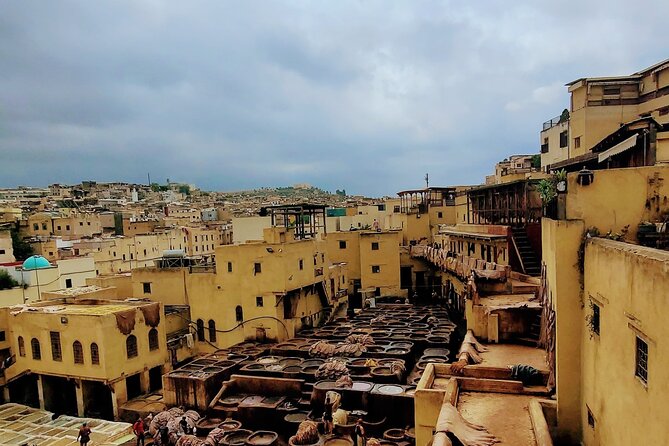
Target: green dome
point(35, 262)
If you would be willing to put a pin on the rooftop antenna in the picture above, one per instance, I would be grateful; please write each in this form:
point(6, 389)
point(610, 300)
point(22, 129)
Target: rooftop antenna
point(427, 180)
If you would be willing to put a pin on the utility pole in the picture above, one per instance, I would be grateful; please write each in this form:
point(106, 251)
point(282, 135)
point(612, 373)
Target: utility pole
point(427, 180)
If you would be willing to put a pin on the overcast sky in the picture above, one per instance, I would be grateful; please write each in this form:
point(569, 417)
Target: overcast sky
point(362, 95)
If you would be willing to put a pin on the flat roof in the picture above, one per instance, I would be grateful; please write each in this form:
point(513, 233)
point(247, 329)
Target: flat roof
point(483, 235)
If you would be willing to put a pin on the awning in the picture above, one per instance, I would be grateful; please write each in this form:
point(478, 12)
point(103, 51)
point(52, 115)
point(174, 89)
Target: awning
point(618, 148)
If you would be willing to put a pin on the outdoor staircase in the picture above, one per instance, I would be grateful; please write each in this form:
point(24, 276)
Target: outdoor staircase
point(328, 311)
point(531, 262)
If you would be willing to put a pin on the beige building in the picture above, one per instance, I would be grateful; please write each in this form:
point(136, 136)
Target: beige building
point(6, 246)
point(599, 106)
point(83, 357)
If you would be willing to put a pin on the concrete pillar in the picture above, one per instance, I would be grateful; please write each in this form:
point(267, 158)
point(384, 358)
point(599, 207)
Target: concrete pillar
point(79, 392)
point(40, 392)
point(144, 380)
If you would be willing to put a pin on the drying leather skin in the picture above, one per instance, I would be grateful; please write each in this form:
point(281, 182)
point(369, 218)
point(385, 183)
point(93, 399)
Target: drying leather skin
point(468, 433)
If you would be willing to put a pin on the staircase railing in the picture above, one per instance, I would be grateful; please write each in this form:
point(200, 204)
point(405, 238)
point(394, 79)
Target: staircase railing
point(520, 258)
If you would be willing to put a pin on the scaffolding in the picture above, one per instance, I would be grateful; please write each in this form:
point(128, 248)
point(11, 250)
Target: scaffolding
point(306, 219)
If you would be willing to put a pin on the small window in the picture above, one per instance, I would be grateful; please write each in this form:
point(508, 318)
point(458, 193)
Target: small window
point(577, 142)
point(22, 346)
point(67, 227)
point(440, 215)
point(2, 251)
point(376, 269)
point(44, 226)
point(257, 268)
point(229, 267)
point(131, 346)
point(595, 319)
point(35, 347)
point(78, 352)
point(146, 286)
point(375, 246)
point(342, 244)
point(239, 313)
point(564, 139)
point(68, 283)
point(611, 91)
point(153, 339)
point(89, 223)
point(396, 209)
point(259, 301)
point(95, 354)
point(200, 330)
point(56, 350)
point(35, 226)
point(212, 330)
point(145, 252)
point(301, 264)
point(81, 223)
point(641, 360)
point(59, 227)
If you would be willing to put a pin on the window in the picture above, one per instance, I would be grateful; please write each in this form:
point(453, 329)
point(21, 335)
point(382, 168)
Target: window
point(89, 223)
point(131, 346)
point(200, 330)
point(153, 339)
point(2, 251)
point(81, 223)
point(595, 319)
point(68, 283)
point(396, 209)
point(95, 354)
point(44, 226)
point(611, 91)
point(301, 264)
point(564, 139)
point(577, 142)
point(35, 227)
point(440, 215)
point(67, 227)
point(212, 330)
point(59, 227)
point(56, 351)
point(145, 252)
point(78, 352)
point(259, 301)
point(641, 360)
point(342, 244)
point(37, 352)
point(375, 246)
point(123, 256)
point(239, 314)
point(146, 286)
point(229, 267)
point(257, 268)
point(22, 347)
point(376, 269)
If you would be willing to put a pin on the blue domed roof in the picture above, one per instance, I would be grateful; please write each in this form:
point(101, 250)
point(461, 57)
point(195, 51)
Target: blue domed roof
point(35, 262)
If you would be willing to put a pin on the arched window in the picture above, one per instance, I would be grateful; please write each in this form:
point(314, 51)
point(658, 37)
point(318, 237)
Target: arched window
point(95, 354)
point(34, 345)
point(212, 330)
point(239, 313)
point(78, 352)
point(22, 347)
point(131, 346)
point(200, 330)
point(153, 339)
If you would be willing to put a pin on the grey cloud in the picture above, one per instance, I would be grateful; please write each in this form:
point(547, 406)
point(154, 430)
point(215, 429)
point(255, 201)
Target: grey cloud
point(363, 95)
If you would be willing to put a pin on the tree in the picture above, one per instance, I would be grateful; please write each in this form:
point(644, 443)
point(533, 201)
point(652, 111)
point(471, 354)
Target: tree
point(22, 249)
point(536, 161)
point(184, 189)
point(7, 281)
